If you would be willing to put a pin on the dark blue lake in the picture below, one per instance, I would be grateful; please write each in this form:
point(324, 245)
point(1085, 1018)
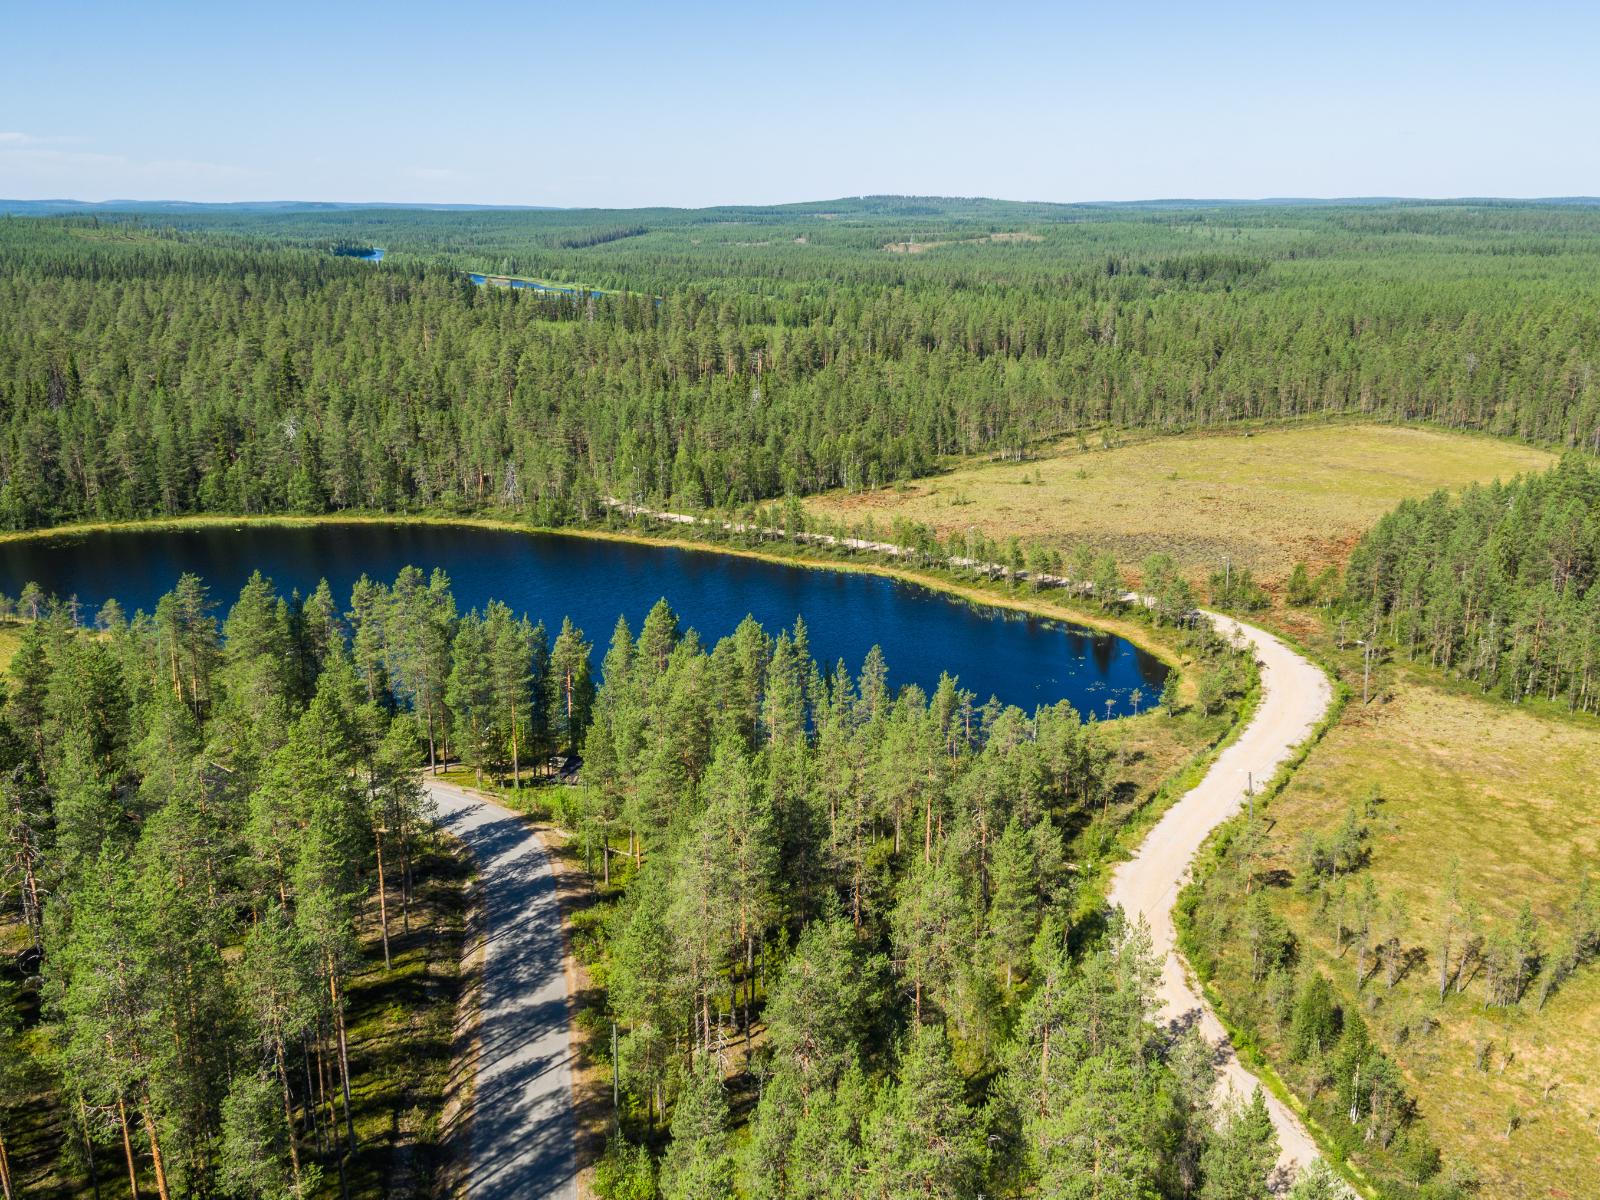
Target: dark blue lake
point(1023, 660)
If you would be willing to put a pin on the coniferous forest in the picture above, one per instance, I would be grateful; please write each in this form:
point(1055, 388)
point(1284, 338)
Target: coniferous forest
point(874, 908)
point(204, 812)
point(1500, 585)
point(237, 361)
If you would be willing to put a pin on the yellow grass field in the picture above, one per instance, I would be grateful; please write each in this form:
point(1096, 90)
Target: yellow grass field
point(1509, 794)
point(1266, 498)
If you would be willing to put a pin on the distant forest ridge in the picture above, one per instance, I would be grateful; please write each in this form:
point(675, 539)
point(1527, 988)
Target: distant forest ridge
point(232, 361)
point(63, 205)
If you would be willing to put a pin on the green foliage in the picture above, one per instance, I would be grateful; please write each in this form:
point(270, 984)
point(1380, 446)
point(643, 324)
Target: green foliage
point(1318, 1182)
point(1235, 588)
point(1238, 1161)
point(255, 1141)
point(198, 825)
point(1316, 1021)
point(1497, 586)
point(923, 1138)
point(625, 1172)
point(234, 364)
point(697, 1163)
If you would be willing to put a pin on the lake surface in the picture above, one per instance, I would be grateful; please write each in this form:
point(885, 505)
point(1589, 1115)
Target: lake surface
point(1023, 660)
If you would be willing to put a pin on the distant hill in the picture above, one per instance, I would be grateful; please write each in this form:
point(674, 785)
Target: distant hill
point(40, 208)
point(882, 205)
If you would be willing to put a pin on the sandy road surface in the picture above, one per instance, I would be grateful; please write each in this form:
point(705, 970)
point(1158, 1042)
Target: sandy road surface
point(523, 1131)
point(1294, 696)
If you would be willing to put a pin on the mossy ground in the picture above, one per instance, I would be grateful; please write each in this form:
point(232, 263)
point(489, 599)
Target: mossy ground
point(400, 1023)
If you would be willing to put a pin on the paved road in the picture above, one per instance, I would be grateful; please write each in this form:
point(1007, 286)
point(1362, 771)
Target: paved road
point(1294, 696)
point(523, 1132)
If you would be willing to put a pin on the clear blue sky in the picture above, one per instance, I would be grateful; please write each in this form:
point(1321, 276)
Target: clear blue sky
point(618, 103)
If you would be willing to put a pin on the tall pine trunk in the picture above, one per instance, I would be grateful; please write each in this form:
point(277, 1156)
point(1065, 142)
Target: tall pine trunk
point(516, 755)
point(5, 1171)
point(288, 1116)
point(383, 900)
point(127, 1146)
point(344, 1055)
point(155, 1151)
point(88, 1146)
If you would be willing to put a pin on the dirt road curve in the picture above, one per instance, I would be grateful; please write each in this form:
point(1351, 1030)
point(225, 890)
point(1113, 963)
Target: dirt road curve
point(1294, 696)
point(523, 1132)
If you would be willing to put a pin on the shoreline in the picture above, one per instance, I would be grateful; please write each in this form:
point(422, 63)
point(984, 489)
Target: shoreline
point(1133, 632)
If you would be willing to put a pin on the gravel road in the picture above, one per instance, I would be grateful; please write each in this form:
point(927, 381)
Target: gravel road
point(523, 1132)
point(1294, 696)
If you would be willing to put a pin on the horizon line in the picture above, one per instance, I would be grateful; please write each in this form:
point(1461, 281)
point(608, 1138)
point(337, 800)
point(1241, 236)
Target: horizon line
point(7, 204)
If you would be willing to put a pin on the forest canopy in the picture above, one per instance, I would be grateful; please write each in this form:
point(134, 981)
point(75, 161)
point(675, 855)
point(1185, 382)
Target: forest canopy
point(238, 361)
point(1500, 585)
point(204, 813)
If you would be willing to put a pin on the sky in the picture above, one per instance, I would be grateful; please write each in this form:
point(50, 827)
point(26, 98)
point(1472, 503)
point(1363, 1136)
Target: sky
point(622, 104)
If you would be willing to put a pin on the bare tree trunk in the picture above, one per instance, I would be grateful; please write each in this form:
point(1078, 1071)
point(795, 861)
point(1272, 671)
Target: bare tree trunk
point(35, 913)
point(383, 900)
point(155, 1151)
point(433, 760)
point(88, 1146)
point(405, 873)
point(344, 1056)
point(516, 753)
point(288, 1117)
point(5, 1171)
point(127, 1146)
point(1444, 960)
point(325, 1109)
point(313, 1113)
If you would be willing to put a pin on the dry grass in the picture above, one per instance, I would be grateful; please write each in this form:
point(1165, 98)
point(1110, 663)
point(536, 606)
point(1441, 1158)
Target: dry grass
point(1266, 499)
point(1508, 794)
point(10, 639)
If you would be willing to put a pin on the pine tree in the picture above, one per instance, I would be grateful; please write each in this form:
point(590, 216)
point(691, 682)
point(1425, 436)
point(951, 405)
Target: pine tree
point(13, 1075)
point(571, 688)
point(1239, 1160)
point(697, 1164)
point(924, 1138)
point(469, 693)
point(1013, 908)
point(507, 666)
point(255, 1142)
